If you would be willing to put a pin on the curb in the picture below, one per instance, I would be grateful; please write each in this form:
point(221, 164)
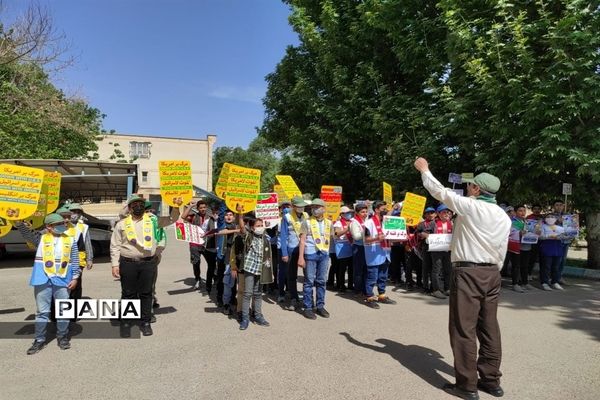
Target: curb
point(575, 272)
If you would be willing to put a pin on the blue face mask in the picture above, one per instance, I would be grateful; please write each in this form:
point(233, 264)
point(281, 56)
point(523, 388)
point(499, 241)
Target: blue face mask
point(286, 210)
point(59, 229)
point(347, 216)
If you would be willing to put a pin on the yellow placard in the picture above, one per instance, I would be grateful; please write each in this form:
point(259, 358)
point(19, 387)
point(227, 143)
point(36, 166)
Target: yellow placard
point(19, 191)
point(288, 185)
point(332, 196)
point(175, 181)
point(412, 208)
point(467, 175)
point(5, 227)
point(281, 196)
point(387, 193)
point(221, 186)
point(37, 219)
point(52, 179)
point(243, 187)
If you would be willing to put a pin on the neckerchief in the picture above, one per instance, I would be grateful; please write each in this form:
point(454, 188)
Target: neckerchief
point(296, 222)
point(486, 198)
point(384, 243)
point(48, 254)
point(321, 239)
point(440, 226)
point(345, 224)
point(147, 229)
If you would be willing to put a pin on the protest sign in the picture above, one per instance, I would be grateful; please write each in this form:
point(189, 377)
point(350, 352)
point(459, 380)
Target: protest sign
point(467, 175)
point(281, 196)
point(567, 189)
point(37, 218)
point(529, 238)
point(243, 186)
point(176, 181)
point(412, 208)
point(267, 208)
point(221, 186)
point(387, 193)
point(439, 241)
point(332, 196)
point(571, 224)
point(52, 180)
point(189, 233)
point(455, 178)
point(19, 191)
point(288, 186)
point(394, 228)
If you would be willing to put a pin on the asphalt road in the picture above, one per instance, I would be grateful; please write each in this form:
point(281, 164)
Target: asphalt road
point(551, 346)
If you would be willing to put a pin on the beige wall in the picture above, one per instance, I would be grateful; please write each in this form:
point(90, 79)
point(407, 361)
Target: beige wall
point(198, 151)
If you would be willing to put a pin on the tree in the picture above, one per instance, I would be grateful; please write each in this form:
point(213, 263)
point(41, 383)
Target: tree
point(37, 120)
point(258, 155)
point(508, 87)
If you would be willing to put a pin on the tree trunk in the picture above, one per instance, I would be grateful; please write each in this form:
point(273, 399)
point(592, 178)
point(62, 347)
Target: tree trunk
point(593, 239)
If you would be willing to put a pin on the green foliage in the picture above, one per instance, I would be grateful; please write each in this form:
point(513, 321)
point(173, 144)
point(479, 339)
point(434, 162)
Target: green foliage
point(512, 88)
point(258, 155)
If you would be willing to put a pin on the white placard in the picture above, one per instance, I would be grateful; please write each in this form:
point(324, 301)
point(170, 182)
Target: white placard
point(567, 189)
point(439, 241)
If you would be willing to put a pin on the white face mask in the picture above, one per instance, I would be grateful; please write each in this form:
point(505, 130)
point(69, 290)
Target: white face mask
point(550, 220)
point(318, 212)
point(259, 230)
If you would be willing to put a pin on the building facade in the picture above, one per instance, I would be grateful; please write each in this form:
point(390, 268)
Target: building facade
point(147, 151)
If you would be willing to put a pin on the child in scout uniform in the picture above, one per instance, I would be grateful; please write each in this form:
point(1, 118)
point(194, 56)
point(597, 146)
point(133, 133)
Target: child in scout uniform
point(316, 236)
point(290, 241)
point(255, 262)
point(76, 228)
point(55, 272)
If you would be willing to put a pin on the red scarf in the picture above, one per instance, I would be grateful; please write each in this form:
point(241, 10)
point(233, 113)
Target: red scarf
point(383, 243)
point(344, 225)
point(440, 226)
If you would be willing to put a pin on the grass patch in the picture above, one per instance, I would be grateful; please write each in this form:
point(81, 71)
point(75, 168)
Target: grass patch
point(578, 263)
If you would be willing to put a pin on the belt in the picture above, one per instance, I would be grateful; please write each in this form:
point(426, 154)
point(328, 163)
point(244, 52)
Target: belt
point(466, 264)
point(127, 259)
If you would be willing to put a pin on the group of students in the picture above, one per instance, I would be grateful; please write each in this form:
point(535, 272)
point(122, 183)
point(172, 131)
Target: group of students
point(245, 258)
point(550, 251)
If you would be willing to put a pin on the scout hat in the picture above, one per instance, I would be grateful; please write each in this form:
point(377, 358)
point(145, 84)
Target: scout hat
point(298, 201)
point(133, 199)
point(147, 204)
point(53, 218)
point(318, 202)
point(487, 182)
point(442, 207)
point(345, 210)
point(429, 209)
point(63, 210)
point(74, 206)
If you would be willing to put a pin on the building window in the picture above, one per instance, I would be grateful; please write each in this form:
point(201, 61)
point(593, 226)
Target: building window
point(144, 176)
point(139, 150)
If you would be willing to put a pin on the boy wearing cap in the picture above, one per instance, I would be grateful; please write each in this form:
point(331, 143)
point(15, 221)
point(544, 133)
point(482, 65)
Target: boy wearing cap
point(478, 248)
point(77, 227)
point(290, 243)
point(440, 260)
point(55, 272)
point(343, 248)
point(316, 236)
point(134, 251)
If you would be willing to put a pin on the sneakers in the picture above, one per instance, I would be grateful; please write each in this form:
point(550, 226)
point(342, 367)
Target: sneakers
point(293, 306)
point(372, 302)
point(382, 298)
point(529, 287)
point(146, 329)
point(244, 324)
point(261, 321)
point(547, 287)
point(64, 343)
point(227, 309)
point(153, 319)
point(36, 347)
point(197, 285)
point(280, 299)
point(309, 314)
point(438, 295)
point(323, 312)
point(125, 329)
point(562, 282)
point(557, 286)
point(518, 289)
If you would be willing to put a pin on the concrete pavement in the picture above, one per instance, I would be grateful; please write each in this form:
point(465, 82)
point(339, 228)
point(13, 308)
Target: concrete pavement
point(551, 346)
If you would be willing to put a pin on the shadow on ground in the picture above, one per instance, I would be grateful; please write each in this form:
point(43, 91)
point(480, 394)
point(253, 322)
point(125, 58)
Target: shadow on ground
point(421, 361)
